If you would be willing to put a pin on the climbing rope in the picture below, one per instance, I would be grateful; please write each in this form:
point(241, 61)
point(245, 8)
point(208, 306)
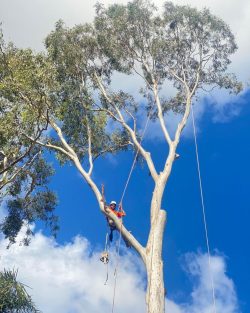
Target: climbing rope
point(133, 164)
point(105, 254)
point(203, 208)
point(106, 249)
point(116, 270)
point(120, 205)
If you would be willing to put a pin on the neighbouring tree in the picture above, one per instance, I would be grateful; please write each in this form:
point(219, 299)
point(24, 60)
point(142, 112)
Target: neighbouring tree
point(13, 295)
point(63, 101)
point(24, 173)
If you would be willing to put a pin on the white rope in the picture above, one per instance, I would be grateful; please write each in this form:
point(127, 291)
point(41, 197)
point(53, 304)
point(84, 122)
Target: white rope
point(203, 209)
point(106, 249)
point(116, 270)
point(106, 242)
point(133, 164)
point(120, 203)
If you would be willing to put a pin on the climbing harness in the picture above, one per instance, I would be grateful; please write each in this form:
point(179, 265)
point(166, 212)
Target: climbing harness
point(104, 257)
point(105, 254)
point(203, 208)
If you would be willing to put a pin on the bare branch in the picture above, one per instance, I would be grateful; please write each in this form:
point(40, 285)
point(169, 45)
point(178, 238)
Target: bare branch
point(61, 137)
point(183, 122)
point(90, 150)
point(160, 115)
point(131, 132)
point(138, 145)
point(19, 170)
point(20, 158)
point(172, 151)
point(176, 76)
point(110, 149)
point(158, 104)
point(133, 118)
point(49, 145)
point(145, 80)
point(5, 160)
point(110, 113)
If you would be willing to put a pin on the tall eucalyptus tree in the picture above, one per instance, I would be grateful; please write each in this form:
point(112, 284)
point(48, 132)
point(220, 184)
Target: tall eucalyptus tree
point(69, 91)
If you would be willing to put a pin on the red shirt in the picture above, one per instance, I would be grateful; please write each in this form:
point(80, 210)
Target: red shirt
point(119, 213)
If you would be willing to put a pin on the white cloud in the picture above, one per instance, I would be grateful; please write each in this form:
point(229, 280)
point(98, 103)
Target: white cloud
point(197, 266)
point(28, 22)
point(70, 279)
point(224, 106)
point(3, 212)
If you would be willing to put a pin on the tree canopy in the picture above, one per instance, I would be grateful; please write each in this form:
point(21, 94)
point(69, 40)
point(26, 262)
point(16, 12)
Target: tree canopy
point(62, 100)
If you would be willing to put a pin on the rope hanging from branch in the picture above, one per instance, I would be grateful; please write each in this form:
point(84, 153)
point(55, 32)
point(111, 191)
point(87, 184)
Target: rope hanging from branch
point(203, 209)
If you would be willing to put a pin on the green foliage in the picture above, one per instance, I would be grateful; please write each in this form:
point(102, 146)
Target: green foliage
point(77, 58)
point(30, 200)
point(25, 83)
point(13, 295)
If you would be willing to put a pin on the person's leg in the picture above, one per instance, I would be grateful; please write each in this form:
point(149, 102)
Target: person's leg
point(112, 228)
point(111, 235)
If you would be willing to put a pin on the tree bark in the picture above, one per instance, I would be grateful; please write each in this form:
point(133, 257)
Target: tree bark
point(155, 296)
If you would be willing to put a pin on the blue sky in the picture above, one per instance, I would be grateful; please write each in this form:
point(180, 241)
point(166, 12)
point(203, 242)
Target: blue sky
point(223, 141)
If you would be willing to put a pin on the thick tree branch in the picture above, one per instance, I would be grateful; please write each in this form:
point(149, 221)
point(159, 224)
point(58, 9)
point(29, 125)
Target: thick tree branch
point(98, 195)
point(118, 223)
point(87, 176)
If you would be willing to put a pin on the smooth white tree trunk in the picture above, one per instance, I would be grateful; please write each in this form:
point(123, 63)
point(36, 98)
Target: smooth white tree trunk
point(155, 296)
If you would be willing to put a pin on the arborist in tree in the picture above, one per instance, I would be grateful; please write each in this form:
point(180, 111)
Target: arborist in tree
point(119, 213)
